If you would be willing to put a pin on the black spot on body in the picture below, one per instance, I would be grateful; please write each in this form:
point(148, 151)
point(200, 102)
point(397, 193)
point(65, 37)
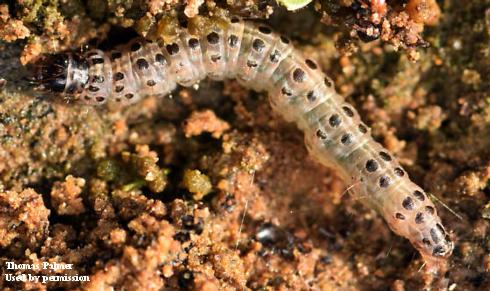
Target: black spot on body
point(160, 58)
point(407, 203)
point(419, 218)
point(98, 79)
point(235, 20)
point(129, 96)
point(172, 49)
point(252, 64)
point(299, 75)
point(213, 38)
point(426, 241)
point(321, 134)
point(233, 40)
point(399, 172)
point(193, 43)
point(400, 216)
point(311, 96)
point(118, 76)
point(284, 39)
point(346, 139)
point(311, 64)
point(119, 88)
point(384, 181)
point(362, 128)
point(348, 111)
point(419, 195)
point(265, 29)
point(258, 45)
point(275, 56)
point(385, 156)
point(151, 83)
point(142, 64)
point(93, 88)
point(100, 98)
point(334, 120)
point(215, 58)
point(371, 165)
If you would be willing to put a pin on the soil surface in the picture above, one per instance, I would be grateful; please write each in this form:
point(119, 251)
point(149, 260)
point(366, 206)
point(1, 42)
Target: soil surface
point(209, 189)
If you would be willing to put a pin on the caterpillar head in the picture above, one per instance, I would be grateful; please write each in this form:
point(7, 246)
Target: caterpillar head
point(63, 73)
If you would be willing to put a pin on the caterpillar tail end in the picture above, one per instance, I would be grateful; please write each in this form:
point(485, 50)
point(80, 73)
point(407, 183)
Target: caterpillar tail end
point(435, 257)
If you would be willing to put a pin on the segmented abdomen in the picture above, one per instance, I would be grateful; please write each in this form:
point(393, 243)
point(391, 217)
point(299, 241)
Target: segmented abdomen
point(262, 60)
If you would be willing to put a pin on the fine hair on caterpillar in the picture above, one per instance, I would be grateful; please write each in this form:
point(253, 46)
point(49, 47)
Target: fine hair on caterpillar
point(298, 90)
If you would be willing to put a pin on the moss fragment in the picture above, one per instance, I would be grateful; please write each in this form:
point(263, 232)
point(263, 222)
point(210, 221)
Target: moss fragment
point(108, 170)
point(143, 162)
point(137, 184)
point(197, 183)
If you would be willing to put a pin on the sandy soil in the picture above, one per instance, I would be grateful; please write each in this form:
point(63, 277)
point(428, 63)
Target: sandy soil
point(209, 189)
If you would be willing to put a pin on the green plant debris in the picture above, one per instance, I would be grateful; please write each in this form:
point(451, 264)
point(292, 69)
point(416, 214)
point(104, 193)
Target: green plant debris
point(197, 183)
point(144, 164)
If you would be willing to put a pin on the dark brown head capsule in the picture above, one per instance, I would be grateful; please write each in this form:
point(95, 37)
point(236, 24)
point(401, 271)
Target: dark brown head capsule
point(61, 73)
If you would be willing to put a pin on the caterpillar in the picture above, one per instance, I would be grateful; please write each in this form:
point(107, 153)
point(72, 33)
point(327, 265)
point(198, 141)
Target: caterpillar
point(298, 90)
